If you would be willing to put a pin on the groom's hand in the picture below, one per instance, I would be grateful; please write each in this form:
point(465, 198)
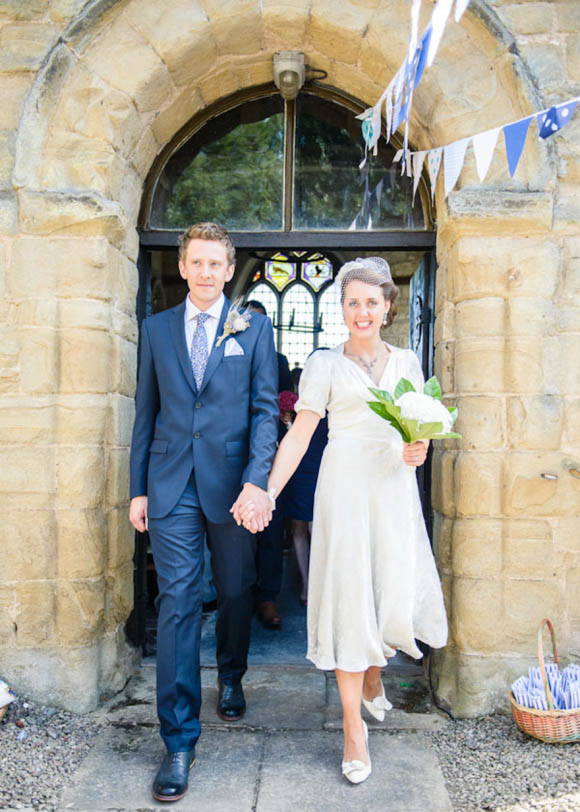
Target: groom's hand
point(138, 513)
point(252, 508)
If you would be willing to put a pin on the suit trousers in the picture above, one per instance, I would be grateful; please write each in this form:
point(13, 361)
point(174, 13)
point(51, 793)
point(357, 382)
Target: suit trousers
point(177, 543)
point(270, 559)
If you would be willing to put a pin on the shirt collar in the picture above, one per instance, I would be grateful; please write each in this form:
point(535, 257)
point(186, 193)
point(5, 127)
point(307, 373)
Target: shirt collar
point(214, 311)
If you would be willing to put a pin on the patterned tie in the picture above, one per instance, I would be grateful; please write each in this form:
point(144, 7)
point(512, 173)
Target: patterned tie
point(199, 352)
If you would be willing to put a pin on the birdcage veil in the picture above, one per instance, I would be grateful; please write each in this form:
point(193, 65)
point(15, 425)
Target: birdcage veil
point(372, 270)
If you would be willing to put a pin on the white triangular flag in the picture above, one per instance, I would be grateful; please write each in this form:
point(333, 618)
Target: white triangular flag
point(460, 7)
point(433, 164)
point(398, 156)
point(454, 157)
point(483, 146)
point(418, 158)
point(438, 20)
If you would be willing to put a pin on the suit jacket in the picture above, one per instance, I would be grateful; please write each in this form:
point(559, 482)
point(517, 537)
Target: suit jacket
point(226, 431)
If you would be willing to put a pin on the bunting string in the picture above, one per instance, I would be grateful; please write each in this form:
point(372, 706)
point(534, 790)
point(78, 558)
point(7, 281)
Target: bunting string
point(452, 156)
point(549, 122)
point(397, 98)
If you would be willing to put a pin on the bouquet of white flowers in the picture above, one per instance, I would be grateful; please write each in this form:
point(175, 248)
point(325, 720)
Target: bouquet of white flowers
point(416, 415)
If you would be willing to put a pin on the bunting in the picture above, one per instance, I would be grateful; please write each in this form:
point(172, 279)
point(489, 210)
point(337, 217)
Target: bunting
point(397, 97)
point(549, 123)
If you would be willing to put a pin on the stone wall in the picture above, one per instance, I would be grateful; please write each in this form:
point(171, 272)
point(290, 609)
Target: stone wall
point(91, 93)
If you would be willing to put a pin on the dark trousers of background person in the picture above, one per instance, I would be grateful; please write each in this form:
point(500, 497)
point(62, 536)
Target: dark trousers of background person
point(177, 543)
point(269, 560)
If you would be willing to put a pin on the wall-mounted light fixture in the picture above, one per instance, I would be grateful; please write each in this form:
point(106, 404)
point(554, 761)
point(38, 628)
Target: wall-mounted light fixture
point(289, 73)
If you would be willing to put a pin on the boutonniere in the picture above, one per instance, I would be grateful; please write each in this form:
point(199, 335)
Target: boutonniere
point(236, 321)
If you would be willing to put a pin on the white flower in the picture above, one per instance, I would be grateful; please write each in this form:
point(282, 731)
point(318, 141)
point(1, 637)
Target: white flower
point(424, 409)
point(239, 324)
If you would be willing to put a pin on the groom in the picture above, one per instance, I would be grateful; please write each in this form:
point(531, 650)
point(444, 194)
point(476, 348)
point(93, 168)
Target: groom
point(203, 443)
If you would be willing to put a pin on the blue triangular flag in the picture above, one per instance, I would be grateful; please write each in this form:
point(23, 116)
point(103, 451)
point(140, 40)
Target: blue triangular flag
point(556, 118)
point(515, 138)
point(424, 46)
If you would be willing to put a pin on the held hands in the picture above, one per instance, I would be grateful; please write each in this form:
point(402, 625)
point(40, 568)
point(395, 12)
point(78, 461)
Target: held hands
point(138, 513)
point(252, 508)
point(415, 454)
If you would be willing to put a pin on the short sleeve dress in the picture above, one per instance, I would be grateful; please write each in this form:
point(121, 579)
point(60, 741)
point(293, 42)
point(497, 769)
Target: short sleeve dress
point(373, 585)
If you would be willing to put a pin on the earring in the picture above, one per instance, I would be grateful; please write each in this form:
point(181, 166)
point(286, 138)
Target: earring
point(385, 319)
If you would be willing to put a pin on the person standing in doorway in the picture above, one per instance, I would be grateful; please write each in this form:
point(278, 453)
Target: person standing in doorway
point(203, 442)
point(270, 543)
point(373, 586)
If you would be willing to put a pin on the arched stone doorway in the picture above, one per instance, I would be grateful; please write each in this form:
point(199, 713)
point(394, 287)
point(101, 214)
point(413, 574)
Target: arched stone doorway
point(114, 88)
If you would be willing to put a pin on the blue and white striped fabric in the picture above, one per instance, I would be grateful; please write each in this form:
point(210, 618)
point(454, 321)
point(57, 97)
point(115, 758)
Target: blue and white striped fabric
point(564, 687)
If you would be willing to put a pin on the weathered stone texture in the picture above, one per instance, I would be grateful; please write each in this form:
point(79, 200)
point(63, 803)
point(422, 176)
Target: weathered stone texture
point(180, 33)
point(80, 477)
point(535, 422)
point(477, 613)
point(481, 422)
point(478, 483)
point(126, 61)
point(477, 548)
point(236, 25)
point(82, 543)
point(529, 18)
point(528, 493)
point(34, 617)
point(28, 541)
point(80, 611)
point(24, 45)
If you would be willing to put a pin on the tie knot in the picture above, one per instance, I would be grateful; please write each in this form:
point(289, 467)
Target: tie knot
point(202, 318)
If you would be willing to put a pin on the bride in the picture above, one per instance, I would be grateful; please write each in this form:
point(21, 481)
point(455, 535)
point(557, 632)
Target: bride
point(373, 585)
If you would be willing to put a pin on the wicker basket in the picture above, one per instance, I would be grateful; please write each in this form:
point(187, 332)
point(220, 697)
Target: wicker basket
point(552, 726)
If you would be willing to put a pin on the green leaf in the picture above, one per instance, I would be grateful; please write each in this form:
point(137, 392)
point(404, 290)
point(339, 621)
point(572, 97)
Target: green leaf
point(428, 430)
point(403, 386)
point(382, 395)
point(432, 388)
point(392, 414)
point(453, 412)
point(451, 435)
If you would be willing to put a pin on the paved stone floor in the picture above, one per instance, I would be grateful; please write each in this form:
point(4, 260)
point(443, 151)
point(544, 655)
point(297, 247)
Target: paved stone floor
point(286, 752)
point(284, 755)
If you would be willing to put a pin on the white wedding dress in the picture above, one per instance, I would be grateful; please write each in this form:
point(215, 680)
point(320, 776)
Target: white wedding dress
point(373, 585)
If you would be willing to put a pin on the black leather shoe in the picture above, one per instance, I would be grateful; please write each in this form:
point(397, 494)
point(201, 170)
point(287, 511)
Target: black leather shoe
point(231, 702)
point(172, 777)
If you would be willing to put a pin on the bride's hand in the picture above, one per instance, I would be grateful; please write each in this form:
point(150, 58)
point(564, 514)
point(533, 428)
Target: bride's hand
point(415, 454)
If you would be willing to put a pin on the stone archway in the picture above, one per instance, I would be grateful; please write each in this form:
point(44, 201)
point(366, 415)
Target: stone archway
point(115, 88)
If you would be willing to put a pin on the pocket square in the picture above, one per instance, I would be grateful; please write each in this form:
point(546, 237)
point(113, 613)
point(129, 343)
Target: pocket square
point(233, 348)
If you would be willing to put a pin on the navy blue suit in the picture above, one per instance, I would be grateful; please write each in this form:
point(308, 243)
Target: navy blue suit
point(191, 453)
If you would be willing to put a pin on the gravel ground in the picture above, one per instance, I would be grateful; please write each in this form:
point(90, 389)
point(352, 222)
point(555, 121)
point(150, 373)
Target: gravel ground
point(40, 748)
point(489, 764)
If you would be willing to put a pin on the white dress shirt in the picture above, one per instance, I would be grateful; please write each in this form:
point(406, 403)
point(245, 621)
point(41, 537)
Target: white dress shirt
point(211, 325)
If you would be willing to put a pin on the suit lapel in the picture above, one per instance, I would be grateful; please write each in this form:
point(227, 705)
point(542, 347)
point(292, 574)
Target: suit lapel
point(178, 334)
point(217, 353)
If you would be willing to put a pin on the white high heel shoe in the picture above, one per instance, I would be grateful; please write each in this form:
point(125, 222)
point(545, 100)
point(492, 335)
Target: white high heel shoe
point(377, 706)
point(357, 771)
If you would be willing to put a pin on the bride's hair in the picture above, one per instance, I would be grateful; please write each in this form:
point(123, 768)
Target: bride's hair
point(371, 271)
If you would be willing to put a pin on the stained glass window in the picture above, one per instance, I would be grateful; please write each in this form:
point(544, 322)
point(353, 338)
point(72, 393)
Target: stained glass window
point(317, 272)
point(280, 273)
